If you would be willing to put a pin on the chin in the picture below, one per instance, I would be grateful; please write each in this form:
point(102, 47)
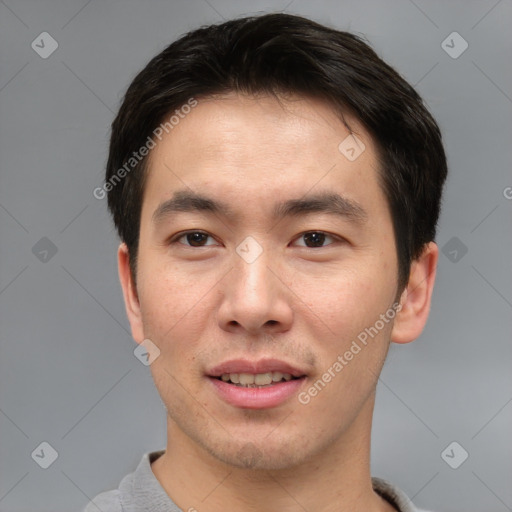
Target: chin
point(262, 456)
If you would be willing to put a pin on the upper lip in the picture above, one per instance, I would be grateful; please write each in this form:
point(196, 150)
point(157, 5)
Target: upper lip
point(255, 367)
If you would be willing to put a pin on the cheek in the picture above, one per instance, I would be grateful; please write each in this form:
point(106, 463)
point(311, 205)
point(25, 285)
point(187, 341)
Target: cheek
point(175, 308)
point(343, 314)
point(341, 297)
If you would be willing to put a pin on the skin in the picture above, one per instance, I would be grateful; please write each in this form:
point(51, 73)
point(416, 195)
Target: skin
point(202, 305)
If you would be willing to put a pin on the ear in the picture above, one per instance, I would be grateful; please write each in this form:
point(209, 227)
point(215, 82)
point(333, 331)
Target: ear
point(415, 299)
point(131, 299)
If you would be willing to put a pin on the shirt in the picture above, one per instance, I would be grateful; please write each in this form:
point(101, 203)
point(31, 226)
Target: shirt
point(140, 491)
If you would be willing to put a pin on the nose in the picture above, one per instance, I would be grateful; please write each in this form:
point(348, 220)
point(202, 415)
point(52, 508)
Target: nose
point(255, 298)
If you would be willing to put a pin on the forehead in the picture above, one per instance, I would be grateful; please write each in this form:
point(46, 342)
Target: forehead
point(289, 129)
point(251, 150)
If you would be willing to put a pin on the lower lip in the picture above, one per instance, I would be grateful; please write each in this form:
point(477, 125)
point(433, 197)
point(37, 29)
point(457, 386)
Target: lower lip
point(257, 398)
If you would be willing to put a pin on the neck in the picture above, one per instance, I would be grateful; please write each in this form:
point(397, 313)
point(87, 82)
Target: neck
point(335, 480)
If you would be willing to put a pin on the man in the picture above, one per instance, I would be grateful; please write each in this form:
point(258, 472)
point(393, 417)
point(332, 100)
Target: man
point(276, 187)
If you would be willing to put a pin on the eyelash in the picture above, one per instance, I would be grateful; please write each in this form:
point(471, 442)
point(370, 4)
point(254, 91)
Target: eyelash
point(175, 240)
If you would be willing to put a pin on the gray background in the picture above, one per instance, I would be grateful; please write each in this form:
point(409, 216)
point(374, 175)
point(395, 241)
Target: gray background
point(68, 375)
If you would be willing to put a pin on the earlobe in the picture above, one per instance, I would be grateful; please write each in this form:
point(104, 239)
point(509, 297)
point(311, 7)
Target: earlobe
point(131, 299)
point(416, 297)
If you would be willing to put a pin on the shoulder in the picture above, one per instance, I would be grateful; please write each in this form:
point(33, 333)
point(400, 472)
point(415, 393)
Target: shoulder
point(136, 490)
point(112, 500)
point(108, 501)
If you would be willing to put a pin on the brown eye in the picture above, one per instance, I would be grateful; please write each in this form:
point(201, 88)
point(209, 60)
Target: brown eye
point(315, 239)
point(194, 239)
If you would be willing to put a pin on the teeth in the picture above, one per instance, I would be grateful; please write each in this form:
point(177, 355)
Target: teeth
point(251, 380)
point(263, 379)
point(276, 376)
point(246, 378)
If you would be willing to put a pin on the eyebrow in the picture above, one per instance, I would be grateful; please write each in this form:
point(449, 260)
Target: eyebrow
point(326, 202)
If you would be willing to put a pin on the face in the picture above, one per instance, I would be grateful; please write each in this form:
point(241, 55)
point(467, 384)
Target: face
point(264, 250)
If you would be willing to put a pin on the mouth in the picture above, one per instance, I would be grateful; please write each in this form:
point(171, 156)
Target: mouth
point(256, 385)
point(259, 380)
